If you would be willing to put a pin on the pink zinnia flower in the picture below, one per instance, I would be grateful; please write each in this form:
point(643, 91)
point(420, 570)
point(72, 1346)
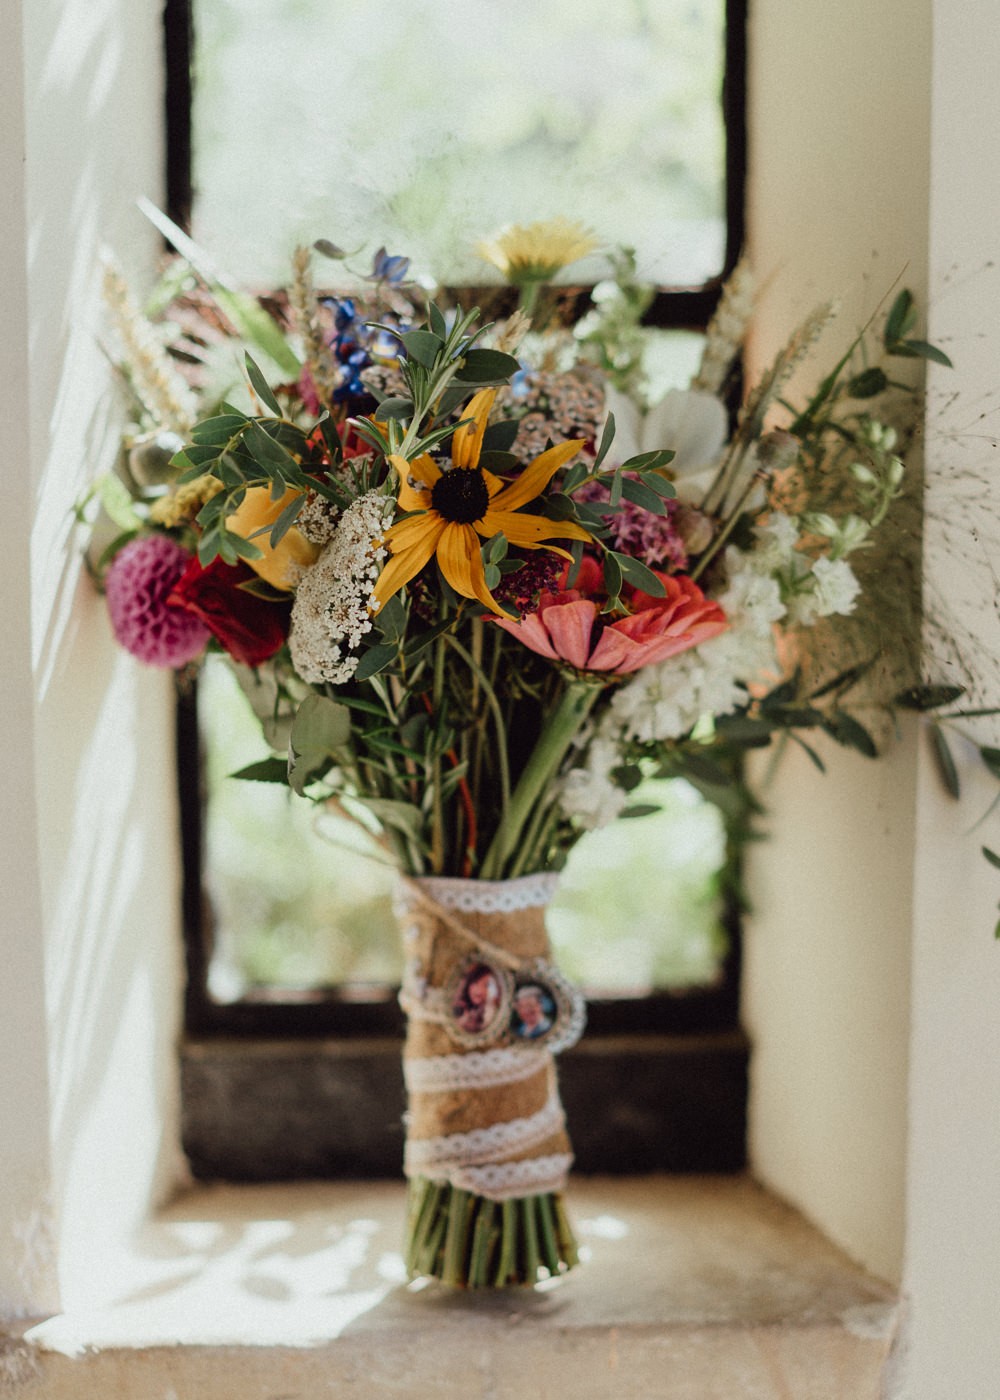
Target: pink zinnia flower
point(568, 625)
point(146, 624)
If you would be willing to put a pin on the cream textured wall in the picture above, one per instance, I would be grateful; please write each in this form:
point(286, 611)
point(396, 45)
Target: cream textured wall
point(952, 1275)
point(90, 894)
point(839, 122)
point(27, 1266)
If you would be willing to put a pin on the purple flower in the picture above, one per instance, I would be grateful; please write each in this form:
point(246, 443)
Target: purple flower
point(658, 540)
point(388, 268)
point(145, 624)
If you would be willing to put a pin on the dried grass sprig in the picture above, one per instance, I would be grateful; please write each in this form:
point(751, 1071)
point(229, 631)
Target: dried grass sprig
point(302, 299)
point(160, 388)
point(726, 330)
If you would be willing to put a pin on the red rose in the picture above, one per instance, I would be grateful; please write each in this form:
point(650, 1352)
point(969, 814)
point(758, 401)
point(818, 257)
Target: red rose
point(249, 628)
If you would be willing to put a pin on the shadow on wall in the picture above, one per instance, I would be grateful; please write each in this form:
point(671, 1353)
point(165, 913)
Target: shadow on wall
point(104, 746)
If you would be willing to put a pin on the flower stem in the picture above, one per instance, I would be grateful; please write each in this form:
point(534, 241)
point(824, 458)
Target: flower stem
point(543, 765)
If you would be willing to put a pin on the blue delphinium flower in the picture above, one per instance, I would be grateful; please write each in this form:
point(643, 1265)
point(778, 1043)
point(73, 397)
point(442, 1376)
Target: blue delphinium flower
point(388, 267)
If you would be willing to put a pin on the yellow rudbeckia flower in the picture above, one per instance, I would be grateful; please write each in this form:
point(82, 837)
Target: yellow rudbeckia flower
point(448, 511)
point(280, 565)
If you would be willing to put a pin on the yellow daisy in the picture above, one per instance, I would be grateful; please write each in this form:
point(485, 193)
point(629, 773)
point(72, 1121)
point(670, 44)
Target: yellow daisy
point(536, 252)
point(448, 511)
point(280, 565)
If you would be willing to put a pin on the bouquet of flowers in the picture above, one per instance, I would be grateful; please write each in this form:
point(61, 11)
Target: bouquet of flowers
point(482, 587)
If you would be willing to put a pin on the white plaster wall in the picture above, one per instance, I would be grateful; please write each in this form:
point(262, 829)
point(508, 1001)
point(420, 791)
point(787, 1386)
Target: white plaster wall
point(92, 902)
point(27, 1266)
point(839, 123)
point(952, 1274)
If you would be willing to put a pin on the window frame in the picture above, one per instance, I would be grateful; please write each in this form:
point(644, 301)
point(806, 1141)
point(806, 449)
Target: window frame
point(671, 1025)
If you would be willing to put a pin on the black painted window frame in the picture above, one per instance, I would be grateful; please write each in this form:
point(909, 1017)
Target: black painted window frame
point(697, 1027)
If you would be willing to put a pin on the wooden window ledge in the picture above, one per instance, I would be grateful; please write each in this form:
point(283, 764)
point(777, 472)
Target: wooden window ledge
point(695, 1288)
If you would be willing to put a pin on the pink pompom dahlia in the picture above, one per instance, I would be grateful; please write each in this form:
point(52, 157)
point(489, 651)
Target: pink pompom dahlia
point(146, 624)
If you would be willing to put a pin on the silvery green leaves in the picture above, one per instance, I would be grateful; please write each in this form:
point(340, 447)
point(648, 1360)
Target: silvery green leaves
point(320, 733)
point(896, 337)
point(442, 366)
point(241, 452)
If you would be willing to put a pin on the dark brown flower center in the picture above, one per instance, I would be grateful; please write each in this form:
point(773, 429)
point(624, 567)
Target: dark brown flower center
point(460, 495)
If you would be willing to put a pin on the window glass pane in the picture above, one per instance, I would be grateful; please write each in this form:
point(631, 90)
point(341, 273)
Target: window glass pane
point(429, 124)
point(303, 898)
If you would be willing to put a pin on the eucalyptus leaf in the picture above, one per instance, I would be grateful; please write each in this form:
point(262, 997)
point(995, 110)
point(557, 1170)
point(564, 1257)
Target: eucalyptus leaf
point(649, 461)
point(558, 506)
point(394, 407)
point(640, 576)
point(267, 770)
point(501, 436)
point(487, 367)
point(376, 659)
point(218, 430)
point(928, 697)
point(320, 729)
point(329, 250)
point(642, 495)
point(844, 679)
point(453, 397)
point(116, 501)
point(260, 385)
point(286, 520)
point(849, 732)
point(612, 575)
point(391, 619)
point(607, 438)
point(266, 449)
point(868, 383)
point(498, 462)
point(902, 315)
point(744, 731)
point(814, 757)
point(922, 349)
point(321, 725)
point(991, 758)
point(423, 346)
point(797, 716)
point(945, 761)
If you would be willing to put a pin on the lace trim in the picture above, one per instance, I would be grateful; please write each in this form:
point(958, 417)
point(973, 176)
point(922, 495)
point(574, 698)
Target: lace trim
point(489, 896)
point(483, 1145)
point(440, 1073)
point(501, 1181)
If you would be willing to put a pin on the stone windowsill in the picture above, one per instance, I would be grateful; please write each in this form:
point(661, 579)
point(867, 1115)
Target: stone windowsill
point(692, 1288)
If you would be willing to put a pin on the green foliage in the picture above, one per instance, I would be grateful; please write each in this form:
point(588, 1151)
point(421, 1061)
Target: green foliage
point(321, 731)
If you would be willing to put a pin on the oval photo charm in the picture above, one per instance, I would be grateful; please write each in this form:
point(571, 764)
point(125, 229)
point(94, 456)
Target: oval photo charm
point(479, 1001)
point(546, 1009)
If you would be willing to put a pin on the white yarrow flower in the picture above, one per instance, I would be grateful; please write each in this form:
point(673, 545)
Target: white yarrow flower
point(334, 601)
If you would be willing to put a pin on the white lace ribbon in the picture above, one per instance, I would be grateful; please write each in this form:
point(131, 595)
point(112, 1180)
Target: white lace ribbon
point(501, 1181)
point(439, 1073)
point(489, 896)
point(425, 1156)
